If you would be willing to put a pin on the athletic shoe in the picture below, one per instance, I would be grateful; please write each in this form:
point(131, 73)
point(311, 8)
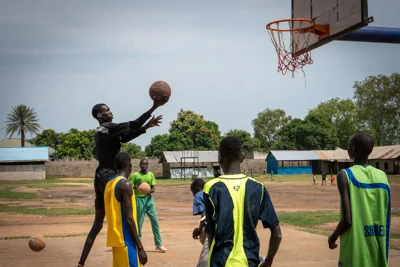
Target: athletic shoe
point(161, 249)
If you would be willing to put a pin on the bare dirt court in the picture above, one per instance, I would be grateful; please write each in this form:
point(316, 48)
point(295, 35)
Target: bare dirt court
point(298, 248)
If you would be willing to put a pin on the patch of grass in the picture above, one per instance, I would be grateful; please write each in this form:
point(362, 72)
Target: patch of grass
point(44, 186)
point(308, 219)
point(395, 214)
point(394, 235)
point(46, 236)
point(394, 247)
point(7, 193)
point(50, 202)
point(47, 181)
point(394, 178)
point(45, 211)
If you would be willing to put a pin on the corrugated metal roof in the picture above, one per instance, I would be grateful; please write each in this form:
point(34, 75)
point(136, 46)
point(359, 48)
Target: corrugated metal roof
point(333, 155)
point(385, 152)
point(203, 156)
point(21, 154)
point(294, 155)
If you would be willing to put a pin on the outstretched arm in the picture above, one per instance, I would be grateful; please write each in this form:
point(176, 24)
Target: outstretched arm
point(129, 130)
point(346, 221)
point(132, 134)
point(126, 199)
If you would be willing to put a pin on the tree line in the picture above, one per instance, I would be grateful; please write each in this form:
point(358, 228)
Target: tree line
point(375, 108)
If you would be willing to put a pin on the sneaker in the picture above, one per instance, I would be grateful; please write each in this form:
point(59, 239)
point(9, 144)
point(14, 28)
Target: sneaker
point(161, 249)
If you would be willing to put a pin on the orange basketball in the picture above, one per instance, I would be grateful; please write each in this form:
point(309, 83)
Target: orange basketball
point(144, 188)
point(159, 89)
point(37, 243)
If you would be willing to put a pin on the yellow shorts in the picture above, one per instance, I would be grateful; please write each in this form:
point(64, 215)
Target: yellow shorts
point(125, 257)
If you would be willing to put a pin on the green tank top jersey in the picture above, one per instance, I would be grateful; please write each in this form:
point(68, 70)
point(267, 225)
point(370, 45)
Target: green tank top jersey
point(366, 243)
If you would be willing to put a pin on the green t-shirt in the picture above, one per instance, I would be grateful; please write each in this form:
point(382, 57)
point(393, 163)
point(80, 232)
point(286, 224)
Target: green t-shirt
point(139, 176)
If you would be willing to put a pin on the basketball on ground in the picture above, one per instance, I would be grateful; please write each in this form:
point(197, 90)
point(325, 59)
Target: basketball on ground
point(144, 188)
point(37, 243)
point(159, 89)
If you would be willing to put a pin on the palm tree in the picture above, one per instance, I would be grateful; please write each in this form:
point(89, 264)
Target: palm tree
point(22, 119)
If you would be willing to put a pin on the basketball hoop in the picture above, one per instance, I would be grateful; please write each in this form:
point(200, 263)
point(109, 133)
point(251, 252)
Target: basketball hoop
point(297, 34)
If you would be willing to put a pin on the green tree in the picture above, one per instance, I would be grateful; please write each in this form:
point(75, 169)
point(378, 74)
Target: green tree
point(159, 143)
point(249, 143)
point(312, 133)
point(267, 125)
point(77, 144)
point(200, 134)
point(47, 137)
point(22, 119)
point(287, 136)
point(190, 131)
point(378, 99)
point(342, 114)
point(167, 142)
point(135, 151)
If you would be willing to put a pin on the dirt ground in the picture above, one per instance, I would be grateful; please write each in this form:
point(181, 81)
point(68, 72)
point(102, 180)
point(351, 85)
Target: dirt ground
point(66, 234)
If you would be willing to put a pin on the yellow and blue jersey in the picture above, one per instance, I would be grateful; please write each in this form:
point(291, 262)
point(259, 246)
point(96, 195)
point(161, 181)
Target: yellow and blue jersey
point(234, 205)
point(118, 235)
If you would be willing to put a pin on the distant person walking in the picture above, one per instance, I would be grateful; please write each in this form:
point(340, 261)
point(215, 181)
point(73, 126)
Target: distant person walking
point(324, 178)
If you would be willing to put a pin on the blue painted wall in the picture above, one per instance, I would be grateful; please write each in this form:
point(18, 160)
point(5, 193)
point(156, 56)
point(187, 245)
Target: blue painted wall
point(18, 154)
point(295, 170)
point(273, 165)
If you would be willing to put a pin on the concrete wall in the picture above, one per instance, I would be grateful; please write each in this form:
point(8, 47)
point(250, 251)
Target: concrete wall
point(390, 165)
point(258, 165)
point(20, 175)
point(16, 171)
point(256, 155)
point(86, 169)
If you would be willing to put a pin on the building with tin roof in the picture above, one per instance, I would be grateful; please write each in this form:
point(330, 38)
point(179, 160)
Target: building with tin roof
point(23, 163)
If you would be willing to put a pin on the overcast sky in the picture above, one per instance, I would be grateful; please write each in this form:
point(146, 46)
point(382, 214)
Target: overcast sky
point(62, 57)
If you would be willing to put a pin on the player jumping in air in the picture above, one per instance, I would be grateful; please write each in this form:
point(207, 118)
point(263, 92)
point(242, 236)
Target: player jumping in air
point(364, 228)
point(198, 209)
point(108, 139)
point(145, 203)
point(120, 206)
point(234, 204)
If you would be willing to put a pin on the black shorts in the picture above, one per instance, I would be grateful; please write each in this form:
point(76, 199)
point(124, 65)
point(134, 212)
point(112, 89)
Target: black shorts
point(100, 182)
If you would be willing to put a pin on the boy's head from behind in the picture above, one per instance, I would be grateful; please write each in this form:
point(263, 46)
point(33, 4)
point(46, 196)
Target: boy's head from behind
point(360, 146)
point(197, 186)
point(123, 163)
point(230, 152)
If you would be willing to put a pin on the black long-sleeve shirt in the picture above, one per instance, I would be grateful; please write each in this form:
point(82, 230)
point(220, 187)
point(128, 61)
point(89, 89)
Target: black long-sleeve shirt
point(109, 136)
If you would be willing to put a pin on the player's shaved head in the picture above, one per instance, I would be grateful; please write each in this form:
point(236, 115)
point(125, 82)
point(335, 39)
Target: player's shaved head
point(230, 149)
point(122, 161)
point(360, 145)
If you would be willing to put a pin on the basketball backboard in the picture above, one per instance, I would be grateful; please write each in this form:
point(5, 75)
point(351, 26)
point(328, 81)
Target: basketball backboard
point(342, 16)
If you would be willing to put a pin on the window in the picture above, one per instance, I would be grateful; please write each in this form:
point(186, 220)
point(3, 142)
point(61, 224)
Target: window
point(377, 165)
point(386, 166)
